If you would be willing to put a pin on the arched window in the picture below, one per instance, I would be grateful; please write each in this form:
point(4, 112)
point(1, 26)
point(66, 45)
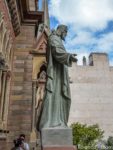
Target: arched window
point(42, 74)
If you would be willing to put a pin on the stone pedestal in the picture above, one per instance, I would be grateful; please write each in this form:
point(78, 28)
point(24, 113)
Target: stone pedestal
point(60, 148)
point(57, 139)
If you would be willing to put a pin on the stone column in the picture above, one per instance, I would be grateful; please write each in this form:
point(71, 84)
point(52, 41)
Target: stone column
point(6, 100)
point(3, 93)
point(0, 81)
point(33, 136)
point(34, 103)
point(0, 97)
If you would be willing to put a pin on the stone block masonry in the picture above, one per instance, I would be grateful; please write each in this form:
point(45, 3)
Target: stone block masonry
point(92, 93)
point(20, 111)
point(2, 144)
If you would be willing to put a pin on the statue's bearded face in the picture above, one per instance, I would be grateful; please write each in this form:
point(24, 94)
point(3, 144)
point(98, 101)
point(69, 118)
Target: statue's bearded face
point(63, 34)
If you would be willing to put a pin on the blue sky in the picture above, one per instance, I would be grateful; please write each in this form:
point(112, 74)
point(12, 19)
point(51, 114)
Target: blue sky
point(90, 24)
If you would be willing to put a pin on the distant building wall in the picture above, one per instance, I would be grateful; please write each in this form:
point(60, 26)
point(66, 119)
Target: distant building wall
point(92, 93)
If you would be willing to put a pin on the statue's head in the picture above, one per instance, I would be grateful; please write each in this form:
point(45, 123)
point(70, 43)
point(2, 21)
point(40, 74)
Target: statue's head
point(62, 31)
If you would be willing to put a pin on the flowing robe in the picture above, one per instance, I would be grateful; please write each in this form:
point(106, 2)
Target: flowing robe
point(57, 100)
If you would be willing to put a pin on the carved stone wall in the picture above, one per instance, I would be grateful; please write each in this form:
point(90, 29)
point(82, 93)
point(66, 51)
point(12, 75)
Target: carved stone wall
point(5, 41)
point(16, 100)
point(6, 16)
point(5, 69)
point(6, 53)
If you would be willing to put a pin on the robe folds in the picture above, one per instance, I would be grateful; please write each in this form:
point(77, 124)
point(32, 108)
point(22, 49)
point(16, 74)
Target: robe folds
point(57, 99)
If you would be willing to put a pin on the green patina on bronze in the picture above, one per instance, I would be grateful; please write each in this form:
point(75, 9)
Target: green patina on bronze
point(57, 99)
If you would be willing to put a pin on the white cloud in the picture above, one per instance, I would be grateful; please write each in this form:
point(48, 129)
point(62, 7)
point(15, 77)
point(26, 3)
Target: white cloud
point(85, 43)
point(86, 39)
point(82, 37)
point(93, 14)
point(85, 17)
point(105, 43)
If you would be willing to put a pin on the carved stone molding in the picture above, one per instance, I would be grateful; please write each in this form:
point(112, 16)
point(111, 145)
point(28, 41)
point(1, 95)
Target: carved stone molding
point(14, 16)
point(5, 44)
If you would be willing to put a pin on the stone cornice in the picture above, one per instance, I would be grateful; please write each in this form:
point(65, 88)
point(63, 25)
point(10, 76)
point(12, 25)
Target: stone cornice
point(34, 52)
point(29, 17)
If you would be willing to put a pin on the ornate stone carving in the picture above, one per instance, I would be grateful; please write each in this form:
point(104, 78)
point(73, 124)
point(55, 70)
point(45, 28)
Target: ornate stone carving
point(39, 99)
point(2, 61)
point(14, 16)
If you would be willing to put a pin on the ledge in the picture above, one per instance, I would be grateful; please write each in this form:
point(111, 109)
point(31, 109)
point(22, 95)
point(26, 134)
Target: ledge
point(4, 131)
point(33, 52)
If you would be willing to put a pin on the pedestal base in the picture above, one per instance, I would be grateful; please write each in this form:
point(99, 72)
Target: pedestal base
point(60, 148)
point(57, 139)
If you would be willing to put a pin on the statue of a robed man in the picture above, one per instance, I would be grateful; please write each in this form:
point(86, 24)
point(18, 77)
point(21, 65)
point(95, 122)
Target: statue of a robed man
point(57, 99)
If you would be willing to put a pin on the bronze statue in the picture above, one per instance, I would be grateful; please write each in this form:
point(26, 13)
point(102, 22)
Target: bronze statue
point(57, 99)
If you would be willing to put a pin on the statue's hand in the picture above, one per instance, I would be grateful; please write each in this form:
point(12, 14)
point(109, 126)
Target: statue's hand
point(73, 58)
point(74, 54)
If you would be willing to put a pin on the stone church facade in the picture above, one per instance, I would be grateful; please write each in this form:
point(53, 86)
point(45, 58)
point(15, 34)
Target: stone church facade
point(23, 44)
point(23, 39)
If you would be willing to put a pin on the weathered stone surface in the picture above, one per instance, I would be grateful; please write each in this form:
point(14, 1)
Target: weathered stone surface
point(60, 148)
point(21, 70)
point(17, 92)
point(20, 78)
point(2, 144)
point(24, 102)
point(16, 97)
point(56, 137)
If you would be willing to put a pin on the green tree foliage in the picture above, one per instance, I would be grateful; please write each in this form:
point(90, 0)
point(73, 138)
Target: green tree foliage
point(86, 137)
point(109, 143)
